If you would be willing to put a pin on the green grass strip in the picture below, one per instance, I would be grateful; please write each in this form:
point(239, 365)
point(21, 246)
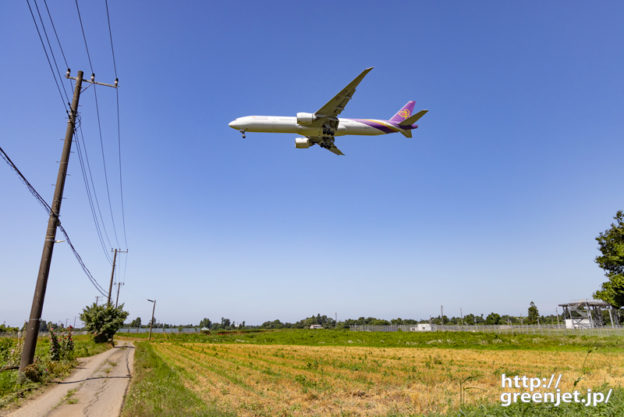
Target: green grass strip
point(157, 390)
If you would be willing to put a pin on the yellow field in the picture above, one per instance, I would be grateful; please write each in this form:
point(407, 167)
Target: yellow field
point(278, 380)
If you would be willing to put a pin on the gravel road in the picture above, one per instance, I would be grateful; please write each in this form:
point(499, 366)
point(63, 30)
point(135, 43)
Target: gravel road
point(96, 388)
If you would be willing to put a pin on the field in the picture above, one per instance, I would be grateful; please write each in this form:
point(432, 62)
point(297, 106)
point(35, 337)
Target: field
point(257, 374)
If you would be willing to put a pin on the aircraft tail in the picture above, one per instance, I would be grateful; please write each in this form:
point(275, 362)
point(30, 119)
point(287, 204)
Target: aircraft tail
point(407, 125)
point(413, 119)
point(404, 113)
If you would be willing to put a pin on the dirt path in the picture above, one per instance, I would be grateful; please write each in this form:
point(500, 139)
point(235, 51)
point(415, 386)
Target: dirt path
point(96, 388)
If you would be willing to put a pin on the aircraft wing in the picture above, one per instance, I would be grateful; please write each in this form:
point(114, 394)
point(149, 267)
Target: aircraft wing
point(335, 106)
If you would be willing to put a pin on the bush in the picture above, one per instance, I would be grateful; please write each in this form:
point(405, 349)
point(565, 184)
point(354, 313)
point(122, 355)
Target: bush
point(103, 321)
point(55, 347)
point(34, 372)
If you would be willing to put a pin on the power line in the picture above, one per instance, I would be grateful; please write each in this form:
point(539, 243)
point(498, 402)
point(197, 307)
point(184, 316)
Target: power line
point(56, 34)
point(34, 192)
point(47, 56)
point(45, 32)
point(123, 210)
point(97, 112)
point(90, 174)
point(89, 198)
point(58, 40)
point(90, 193)
point(110, 33)
point(84, 37)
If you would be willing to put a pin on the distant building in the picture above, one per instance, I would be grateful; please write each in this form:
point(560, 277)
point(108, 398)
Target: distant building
point(421, 327)
point(316, 326)
point(587, 314)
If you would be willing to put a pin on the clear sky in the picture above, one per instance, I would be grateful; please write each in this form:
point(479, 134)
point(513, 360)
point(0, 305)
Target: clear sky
point(495, 202)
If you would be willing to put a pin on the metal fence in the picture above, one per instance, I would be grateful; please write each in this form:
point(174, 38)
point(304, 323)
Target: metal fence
point(523, 329)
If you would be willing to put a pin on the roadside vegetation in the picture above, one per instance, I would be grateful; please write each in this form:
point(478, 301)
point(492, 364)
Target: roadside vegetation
point(51, 362)
point(342, 373)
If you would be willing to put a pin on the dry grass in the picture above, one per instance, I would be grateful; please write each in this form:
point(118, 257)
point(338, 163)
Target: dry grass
point(278, 380)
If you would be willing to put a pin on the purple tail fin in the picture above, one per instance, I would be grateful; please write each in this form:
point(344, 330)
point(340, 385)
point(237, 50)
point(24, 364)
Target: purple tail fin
point(404, 113)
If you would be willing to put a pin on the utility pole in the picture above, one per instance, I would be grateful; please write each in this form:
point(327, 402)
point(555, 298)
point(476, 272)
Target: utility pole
point(97, 298)
point(152, 320)
point(110, 287)
point(119, 284)
point(32, 328)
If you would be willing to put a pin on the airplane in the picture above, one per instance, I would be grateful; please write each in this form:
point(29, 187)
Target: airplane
point(320, 128)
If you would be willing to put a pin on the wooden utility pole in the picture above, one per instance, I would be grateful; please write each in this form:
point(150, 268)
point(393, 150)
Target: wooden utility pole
point(110, 287)
point(119, 284)
point(32, 327)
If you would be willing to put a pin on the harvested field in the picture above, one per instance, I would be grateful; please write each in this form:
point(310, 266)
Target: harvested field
point(285, 380)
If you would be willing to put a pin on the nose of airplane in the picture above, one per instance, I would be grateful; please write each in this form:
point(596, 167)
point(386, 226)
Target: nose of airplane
point(234, 124)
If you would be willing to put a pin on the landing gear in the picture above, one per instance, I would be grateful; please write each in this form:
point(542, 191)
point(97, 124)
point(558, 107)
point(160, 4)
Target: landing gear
point(327, 142)
point(243, 133)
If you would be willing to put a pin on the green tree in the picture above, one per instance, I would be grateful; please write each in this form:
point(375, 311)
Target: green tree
point(205, 323)
point(136, 322)
point(493, 318)
point(103, 321)
point(533, 313)
point(611, 244)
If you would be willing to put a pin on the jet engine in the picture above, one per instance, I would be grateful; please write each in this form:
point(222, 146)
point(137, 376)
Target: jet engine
point(303, 143)
point(305, 119)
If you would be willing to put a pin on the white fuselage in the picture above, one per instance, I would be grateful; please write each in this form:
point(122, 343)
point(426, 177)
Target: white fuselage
point(286, 124)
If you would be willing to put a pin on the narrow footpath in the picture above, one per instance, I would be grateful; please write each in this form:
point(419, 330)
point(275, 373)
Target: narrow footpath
point(97, 387)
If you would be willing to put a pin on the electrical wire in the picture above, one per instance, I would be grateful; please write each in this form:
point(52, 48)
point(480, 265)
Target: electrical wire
point(45, 32)
point(47, 57)
point(97, 111)
point(58, 40)
point(90, 189)
point(89, 197)
point(123, 209)
point(47, 207)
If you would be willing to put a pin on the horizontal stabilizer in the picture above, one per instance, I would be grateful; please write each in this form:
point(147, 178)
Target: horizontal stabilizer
point(411, 120)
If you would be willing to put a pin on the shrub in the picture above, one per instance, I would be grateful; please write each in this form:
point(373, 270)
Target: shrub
point(34, 372)
point(55, 347)
point(103, 321)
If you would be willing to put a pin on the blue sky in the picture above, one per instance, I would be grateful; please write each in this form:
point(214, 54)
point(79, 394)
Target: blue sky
point(494, 203)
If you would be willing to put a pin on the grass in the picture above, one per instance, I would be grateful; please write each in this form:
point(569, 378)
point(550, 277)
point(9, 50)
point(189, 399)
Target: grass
point(455, 340)
point(157, 389)
point(11, 390)
point(342, 373)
